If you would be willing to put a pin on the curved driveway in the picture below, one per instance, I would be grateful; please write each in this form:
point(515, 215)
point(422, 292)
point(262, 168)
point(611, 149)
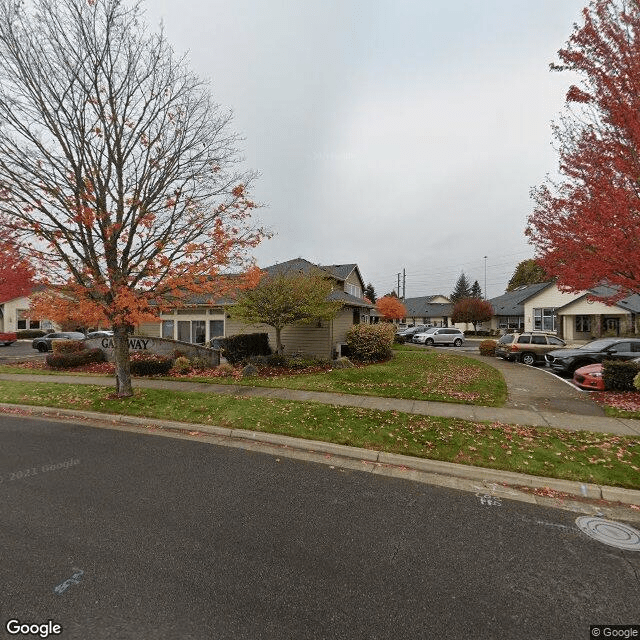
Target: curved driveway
point(537, 389)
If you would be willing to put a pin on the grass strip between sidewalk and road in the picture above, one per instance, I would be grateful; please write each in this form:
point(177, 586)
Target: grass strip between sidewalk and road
point(573, 455)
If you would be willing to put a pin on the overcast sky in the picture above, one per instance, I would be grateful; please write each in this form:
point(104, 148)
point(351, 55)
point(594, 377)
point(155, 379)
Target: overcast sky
point(391, 133)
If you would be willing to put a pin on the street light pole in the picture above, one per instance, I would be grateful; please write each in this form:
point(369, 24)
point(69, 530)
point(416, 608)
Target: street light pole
point(485, 277)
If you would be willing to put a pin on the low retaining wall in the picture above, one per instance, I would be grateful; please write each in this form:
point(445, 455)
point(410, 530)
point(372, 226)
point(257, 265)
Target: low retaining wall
point(160, 346)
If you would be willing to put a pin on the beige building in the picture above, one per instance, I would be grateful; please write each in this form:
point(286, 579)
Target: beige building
point(203, 322)
point(435, 310)
point(15, 315)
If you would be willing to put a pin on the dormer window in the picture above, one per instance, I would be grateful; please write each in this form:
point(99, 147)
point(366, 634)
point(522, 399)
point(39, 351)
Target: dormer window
point(353, 289)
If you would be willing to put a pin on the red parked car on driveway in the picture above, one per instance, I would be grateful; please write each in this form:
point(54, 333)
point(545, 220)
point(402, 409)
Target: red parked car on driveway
point(590, 377)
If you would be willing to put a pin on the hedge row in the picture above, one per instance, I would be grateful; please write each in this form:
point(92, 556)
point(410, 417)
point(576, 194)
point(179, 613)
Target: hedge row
point(150, 365)
point(242, 347)
point(68, 360)
point(618, 376)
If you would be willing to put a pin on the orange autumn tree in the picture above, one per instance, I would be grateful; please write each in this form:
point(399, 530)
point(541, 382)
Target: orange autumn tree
point(391, 308)
point(16, 272)
point(118, 173)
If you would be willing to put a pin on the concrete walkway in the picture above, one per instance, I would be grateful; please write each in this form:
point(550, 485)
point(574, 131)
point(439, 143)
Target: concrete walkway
point(529, 416)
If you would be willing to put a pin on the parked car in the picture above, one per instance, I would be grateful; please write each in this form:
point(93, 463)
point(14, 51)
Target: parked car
point(591, 378)
point(567, 361)
point(440, 335)
point(44, 344)
point(528, 348)
point(99, 334)
point(407, 334)
point(7, 338)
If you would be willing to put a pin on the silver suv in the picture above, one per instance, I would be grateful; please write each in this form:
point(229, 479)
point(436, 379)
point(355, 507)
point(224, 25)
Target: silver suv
point(440, 335)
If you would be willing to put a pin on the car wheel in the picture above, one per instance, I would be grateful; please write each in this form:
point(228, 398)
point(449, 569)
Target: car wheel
point(457, 342)
point(42, 347)
point(429, 341)
point(528, 358)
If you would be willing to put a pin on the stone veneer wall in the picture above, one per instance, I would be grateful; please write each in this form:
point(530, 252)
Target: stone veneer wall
point(160, 346)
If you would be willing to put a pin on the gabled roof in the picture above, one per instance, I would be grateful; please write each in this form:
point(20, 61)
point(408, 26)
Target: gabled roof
point(350, 300)
point(297, 265)
point(512, 302)
point(423, 307)
point(630, 303)
point(341, 271)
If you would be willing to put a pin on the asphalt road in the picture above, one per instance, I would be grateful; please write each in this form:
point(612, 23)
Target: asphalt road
point(115, 535)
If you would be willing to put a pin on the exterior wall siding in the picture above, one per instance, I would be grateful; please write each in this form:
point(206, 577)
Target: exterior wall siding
point(549, 298)
point(10, 315)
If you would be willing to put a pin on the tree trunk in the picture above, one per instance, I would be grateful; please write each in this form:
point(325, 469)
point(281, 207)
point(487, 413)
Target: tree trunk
point(123, 365)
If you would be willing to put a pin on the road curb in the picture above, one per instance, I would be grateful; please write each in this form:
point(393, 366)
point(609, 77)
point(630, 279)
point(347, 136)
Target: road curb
point(407, 463)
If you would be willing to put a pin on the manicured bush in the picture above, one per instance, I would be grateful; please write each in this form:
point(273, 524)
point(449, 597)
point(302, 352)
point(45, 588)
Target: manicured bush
point(181, 365)
point(150, 364)
point(303, 361)
point(399, 339)
point(619, 376)
point(67, 346)
point(200, 364)
point(225, 370)
point(371, 342)
point(69, 360)
point(488, 348)
point(241, 347)
point(29, 334)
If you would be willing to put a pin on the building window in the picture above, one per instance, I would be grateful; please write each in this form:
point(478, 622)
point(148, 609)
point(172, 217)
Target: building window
point(583, 324)
point(353, 290)
point(544, 319)
point(198, 328)
point(216, 329)
point(184, 330)
point(167, 329)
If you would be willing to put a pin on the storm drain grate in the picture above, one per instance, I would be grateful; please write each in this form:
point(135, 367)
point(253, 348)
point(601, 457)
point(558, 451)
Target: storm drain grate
point(615, 534)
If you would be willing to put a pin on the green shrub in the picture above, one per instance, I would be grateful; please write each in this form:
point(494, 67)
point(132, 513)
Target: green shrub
point(67, 346)
point(150, 364)
point(636, 382)
point(619, 376)
point(399, 339)
point(243, 346)
point(371, 342)
point(303, 361)
point(69, 360)
point(488, 348)
point(182, 365)
point(200, 364)
point(225, 370)
point(29, 334)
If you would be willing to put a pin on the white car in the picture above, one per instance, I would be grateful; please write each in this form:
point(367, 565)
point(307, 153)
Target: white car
point(440, 335)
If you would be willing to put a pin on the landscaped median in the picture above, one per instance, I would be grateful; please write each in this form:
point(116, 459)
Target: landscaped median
point(573, 455)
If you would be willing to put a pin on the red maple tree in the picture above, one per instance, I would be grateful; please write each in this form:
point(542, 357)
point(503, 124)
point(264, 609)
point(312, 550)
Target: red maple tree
point(586, 225)
point(391, 308)
point(16, 273)
point(473, 311)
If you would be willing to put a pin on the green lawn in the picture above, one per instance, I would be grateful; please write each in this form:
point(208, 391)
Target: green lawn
point(573, 455)
point(413, 374)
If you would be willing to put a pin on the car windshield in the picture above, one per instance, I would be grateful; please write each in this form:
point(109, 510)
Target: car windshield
point(430, 330)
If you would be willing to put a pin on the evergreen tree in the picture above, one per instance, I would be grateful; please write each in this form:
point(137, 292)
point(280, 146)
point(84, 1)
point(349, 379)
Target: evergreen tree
point(462, 289)
point(370, 293)
point(476, 291)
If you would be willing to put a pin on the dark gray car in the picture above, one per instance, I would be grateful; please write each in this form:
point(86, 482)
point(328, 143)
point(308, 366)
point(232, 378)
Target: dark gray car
point(44, 344)
point(566, 361)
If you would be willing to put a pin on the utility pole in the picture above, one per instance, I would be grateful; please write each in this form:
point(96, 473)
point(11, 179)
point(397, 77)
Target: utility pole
point(404, 285)
point(398, 285)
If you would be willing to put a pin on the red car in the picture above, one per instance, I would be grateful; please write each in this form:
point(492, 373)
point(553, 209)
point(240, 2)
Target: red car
point(589, 377)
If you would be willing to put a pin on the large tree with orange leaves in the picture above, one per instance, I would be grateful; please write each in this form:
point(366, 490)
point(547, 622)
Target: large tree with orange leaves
point(391, 308)
point(16, 273)
point(118, 172)
point(586, 223)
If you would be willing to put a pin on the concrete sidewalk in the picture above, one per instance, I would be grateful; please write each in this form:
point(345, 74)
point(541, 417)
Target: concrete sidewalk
point(529, 417)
